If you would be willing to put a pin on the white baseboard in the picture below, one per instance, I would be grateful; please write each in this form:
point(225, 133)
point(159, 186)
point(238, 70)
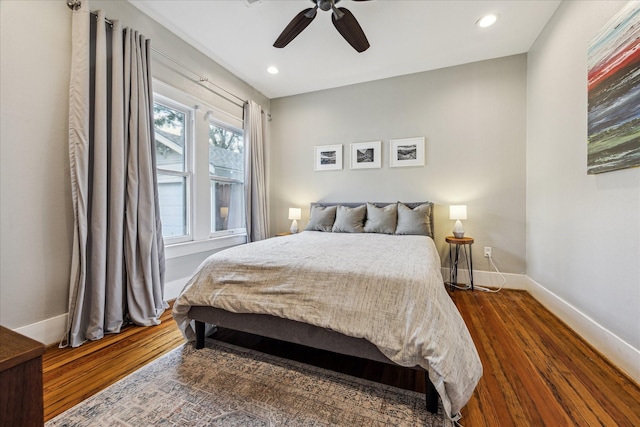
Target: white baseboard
point(619, 352)
point(48, 331)
point(490, 279)
point(172, 289)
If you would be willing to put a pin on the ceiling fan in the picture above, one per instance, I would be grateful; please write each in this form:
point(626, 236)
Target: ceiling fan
point(342, 19)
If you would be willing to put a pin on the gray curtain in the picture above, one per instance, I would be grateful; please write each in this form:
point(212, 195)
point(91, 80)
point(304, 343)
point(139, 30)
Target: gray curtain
point(255, 140)
point(117, 267)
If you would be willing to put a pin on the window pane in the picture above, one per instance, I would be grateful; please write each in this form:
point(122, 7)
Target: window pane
point(226, 153)
point(172, 191)
point(169, 125)
point(227, 206)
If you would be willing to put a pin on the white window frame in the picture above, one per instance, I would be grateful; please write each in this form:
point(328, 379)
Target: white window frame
point(200, 193)
point(188, 159)
point(214, 178)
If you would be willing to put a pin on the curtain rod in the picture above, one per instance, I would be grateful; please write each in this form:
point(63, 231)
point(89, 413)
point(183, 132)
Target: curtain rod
point(75, 6)
point(202, 79)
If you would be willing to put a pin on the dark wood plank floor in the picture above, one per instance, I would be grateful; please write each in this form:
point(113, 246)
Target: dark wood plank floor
point(537, 372)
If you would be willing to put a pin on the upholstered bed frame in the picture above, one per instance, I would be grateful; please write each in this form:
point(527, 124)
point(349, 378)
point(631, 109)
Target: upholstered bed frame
point(302, 333)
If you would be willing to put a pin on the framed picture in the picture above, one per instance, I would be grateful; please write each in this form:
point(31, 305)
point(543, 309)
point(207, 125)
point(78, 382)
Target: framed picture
point(406, 152)
point(366, 155)
point(328, 157)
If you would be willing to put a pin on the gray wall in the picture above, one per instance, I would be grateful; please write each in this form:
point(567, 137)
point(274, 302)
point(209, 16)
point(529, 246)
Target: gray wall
point(36, 214)
point(473, 120)
point(583, 231)
point(36, 217)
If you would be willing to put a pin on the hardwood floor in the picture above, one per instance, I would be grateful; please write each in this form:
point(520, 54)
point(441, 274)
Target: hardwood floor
point(537, 372)
point(74, 374)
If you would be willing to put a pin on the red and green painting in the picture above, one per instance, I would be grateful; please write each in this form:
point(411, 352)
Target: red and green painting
point(614, 93)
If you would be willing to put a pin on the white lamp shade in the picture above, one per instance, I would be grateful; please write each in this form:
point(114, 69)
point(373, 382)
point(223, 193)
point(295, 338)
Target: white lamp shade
point(295, 213)
point(458, 212)
point(224, 211)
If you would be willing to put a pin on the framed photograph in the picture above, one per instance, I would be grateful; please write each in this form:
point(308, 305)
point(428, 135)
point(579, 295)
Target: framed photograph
point(366, 155)
point(406, 152)
point(328, 157)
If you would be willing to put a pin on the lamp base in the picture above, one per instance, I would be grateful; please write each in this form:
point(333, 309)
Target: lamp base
point(294, 227)
point(458, 231)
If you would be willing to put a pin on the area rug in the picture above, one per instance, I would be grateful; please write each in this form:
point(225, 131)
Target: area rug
point(225, 385)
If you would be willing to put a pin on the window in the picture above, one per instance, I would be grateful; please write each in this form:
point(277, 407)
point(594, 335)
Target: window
point(173, 142)
point(226, 175)
point(200, 168)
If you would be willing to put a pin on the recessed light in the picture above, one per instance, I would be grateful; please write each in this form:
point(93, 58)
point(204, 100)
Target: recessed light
point(272, 70)
point(487, 21)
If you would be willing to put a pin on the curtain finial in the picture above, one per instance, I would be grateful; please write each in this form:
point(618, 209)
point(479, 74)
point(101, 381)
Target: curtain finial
point(74, 4)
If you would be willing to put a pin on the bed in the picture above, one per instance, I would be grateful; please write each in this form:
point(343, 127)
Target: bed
point(362, 279)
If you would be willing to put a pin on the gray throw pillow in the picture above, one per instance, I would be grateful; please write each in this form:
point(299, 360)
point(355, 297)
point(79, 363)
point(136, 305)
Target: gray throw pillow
point(414, 221)
point(350, 220)
point(322, 218)
point(381, 220)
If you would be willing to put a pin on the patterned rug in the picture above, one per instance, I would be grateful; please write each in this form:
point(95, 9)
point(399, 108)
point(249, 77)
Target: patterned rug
point(225, 385)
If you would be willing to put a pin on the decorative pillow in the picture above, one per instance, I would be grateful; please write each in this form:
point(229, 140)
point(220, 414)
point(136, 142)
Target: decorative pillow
point(350, 220)
point(381, 220)
point(322, 218)
point(414, 221)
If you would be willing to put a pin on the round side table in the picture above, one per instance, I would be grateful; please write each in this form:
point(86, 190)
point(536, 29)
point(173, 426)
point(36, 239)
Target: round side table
point(455, 246)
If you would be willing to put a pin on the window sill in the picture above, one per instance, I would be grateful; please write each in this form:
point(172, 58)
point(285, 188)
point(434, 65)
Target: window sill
point(177, 250)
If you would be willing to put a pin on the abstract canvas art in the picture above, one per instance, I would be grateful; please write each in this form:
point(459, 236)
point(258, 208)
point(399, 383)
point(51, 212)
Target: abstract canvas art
point(614, 93)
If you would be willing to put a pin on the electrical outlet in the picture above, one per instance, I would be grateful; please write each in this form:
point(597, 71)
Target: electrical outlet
point(487, 251)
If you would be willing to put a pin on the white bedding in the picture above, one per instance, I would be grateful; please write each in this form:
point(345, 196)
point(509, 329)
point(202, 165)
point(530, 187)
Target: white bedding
point(384, 288)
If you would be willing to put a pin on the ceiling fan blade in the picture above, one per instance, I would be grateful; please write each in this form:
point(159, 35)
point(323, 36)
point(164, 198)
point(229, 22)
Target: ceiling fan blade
point(295, 27)
point(349, 28)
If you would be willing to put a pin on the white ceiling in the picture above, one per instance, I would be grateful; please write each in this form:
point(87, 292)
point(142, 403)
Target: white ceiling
point(405, 36)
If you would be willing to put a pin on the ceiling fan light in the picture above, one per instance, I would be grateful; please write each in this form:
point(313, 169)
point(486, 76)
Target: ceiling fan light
point(273, 70)
point(325, 4)
point(487, 21)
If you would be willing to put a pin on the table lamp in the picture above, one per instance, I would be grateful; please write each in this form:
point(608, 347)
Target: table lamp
point(458, 212)
point(295, 215)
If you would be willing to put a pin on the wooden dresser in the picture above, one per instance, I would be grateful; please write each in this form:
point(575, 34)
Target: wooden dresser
point(21, 401)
